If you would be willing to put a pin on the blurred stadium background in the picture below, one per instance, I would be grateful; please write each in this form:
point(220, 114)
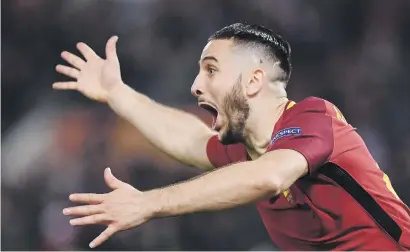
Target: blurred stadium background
point(353, 53)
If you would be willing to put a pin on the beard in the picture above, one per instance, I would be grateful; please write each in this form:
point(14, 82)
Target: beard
point(236, 109)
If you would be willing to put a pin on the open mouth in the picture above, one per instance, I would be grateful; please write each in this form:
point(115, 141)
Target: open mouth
point(211, 109)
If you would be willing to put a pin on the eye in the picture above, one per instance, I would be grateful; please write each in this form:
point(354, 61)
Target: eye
point(211, 70)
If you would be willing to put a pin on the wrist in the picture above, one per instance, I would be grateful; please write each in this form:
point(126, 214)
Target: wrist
point(155, 203)
point(117, 92)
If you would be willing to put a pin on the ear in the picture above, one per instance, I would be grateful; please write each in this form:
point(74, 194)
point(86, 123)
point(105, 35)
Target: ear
point(256, 81)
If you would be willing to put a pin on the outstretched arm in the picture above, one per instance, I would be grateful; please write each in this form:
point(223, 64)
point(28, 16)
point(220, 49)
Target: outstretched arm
point(228, 187)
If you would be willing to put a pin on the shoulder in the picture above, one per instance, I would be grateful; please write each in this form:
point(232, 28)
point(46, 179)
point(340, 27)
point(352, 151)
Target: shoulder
point(310, 115)
point(309, 106)
point(306, 127)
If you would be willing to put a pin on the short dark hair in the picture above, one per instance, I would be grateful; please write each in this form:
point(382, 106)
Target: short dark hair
point(275, 46)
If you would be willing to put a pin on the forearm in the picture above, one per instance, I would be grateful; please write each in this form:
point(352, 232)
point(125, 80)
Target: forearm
point(173, 131)
point(228, 187)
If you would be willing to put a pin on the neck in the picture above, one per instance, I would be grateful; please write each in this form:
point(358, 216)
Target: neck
point(260, 125)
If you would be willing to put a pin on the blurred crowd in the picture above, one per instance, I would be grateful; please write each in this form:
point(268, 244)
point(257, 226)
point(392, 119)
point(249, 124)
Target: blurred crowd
point(353, 53)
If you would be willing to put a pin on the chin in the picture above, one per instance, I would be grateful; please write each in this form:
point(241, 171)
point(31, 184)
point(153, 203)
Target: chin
point(223, 138)
point(227, 137)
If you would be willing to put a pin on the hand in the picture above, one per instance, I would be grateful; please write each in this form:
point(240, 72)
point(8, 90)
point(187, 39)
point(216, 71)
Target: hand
point(123, 208)
point(94, 77)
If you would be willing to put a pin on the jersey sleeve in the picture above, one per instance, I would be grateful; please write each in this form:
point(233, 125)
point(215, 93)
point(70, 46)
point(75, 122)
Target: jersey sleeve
point(220, 155)
point(308, 130)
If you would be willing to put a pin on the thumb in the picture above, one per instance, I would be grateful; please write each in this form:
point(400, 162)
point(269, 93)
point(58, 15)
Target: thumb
point(112, 181)
point(111, 48)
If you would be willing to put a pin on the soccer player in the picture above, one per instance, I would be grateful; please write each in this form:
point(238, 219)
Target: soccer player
point(313, 181)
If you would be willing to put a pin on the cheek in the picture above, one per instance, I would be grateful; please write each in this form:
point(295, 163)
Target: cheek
point(214, 89)
point(219, 88)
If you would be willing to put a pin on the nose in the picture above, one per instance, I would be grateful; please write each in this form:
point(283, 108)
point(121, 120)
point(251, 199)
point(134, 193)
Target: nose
point(195, 90)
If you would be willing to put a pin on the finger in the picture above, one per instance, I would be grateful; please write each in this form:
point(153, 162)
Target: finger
point(83, 210)
point(112, 181)
point(69, 85)
point(89, 220)
point(107, 233)
point(86, 51)
point(111, 48)
point(74, 60)
point(68, 71)
point(90, 198)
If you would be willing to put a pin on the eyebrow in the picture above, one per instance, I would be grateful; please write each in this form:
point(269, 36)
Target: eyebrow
point(208, 58)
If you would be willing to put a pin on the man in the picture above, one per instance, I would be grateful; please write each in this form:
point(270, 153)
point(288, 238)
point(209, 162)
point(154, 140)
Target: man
point(314, 182)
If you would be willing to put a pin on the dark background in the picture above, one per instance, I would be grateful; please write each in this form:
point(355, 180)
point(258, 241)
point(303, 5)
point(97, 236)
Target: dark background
point(353, 53)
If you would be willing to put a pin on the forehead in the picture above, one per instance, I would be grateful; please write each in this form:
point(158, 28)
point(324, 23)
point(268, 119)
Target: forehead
point(221, 49)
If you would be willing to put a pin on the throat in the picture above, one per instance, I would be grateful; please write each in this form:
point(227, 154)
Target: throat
point(260, 128)
point(255, 150)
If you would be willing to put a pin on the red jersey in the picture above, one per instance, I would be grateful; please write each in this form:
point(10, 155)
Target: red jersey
point(345, 202)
